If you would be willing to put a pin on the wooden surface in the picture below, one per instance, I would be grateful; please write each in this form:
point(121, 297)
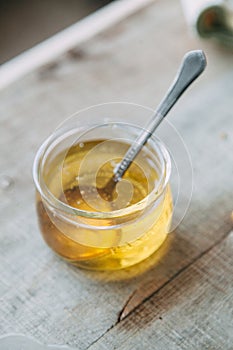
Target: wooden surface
point(182, 297)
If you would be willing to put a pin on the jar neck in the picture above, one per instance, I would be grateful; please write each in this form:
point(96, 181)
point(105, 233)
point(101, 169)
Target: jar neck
point(155, 195)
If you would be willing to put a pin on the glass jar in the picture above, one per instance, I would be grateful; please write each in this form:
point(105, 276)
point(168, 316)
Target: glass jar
point(85, 229)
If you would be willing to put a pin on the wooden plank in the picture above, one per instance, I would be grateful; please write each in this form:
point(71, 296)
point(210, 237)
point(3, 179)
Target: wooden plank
point(42, 296)
point(194, 311)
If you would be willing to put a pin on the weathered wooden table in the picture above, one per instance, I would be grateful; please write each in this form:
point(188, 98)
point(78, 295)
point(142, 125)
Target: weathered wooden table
point(183, 300)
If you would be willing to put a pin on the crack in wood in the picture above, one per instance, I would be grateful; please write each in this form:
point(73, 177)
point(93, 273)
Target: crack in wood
point(102, 335)
point(126, 310)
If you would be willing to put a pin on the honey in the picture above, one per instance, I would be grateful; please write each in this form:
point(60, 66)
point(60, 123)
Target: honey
point(100, 234)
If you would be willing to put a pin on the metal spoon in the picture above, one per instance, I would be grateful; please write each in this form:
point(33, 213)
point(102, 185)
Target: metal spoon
point(193, 64)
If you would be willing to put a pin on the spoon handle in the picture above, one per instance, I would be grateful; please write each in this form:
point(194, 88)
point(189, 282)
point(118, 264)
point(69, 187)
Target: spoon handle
point(193, 64)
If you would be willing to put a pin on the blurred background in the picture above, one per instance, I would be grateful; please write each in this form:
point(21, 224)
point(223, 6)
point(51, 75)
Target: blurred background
point(25, 23)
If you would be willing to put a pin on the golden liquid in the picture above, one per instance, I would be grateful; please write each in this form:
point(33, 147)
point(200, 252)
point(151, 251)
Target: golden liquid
point(114, 251)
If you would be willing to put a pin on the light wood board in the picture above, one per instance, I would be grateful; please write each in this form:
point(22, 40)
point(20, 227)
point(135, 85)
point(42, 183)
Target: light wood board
point(181, 298)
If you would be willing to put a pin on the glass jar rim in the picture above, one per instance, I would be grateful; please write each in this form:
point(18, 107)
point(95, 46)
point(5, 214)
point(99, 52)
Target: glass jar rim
point(57, 204)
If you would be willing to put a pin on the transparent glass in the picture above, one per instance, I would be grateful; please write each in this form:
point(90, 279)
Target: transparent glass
point(85, 229)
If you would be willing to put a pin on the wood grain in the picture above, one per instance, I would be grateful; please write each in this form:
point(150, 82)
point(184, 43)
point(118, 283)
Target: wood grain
point(44, 297)
point(193, 311)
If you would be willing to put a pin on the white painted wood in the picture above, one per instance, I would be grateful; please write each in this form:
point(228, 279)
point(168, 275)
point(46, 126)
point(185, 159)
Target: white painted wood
point(54, 303)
